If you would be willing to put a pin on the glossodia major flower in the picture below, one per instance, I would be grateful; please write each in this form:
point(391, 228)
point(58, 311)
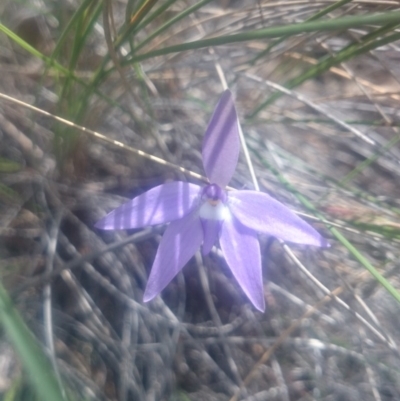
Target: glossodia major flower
point(199, 216)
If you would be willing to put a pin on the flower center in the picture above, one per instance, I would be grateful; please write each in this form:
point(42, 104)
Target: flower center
point(213, 203)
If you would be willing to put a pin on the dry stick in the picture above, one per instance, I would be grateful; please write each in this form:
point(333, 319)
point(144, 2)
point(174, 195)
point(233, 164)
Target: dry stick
point(280, 379)
point(47, 308)
point(79, 261)
point(105, 138)
point(311, 104)
point(86, 304)
point(344, 74)
point(267, 354)
point(349, 72)
point(368, 368)
point(217, 320)
point(28, 147)
point(299, 302)
point(324, 289)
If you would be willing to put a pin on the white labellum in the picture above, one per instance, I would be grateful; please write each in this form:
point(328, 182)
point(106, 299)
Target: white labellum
point(213, 210)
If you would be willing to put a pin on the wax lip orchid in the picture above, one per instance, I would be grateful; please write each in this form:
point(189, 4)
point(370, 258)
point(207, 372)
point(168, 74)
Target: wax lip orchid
point(199, 216)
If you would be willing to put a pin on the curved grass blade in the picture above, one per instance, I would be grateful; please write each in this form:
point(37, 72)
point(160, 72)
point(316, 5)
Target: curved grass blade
point(72, 21)
point(171, 22)
point(314, 17)
point(370, 41)
point(160, 10)
point(275, 32)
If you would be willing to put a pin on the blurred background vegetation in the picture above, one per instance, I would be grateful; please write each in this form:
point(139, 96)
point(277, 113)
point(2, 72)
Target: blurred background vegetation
point(317, 89)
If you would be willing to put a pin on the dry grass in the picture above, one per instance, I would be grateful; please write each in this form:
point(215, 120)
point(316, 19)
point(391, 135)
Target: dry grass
point(201, 340)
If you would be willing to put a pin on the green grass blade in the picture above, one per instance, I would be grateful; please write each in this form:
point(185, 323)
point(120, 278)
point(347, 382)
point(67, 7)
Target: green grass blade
point(33, 51)
point(171, 22)
point(32, 357)
point(133, 18)
point(86, 23)
point(71, 23)
point(316, 16)
point(101, 74)
point(155, 14)
point(276, 32)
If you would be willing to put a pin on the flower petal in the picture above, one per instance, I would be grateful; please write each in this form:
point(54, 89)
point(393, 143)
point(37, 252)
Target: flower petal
point(241, 249)
point(264, 214)
point(180, 241)
point(221, 143)
point(211, 230)
point(159, 205)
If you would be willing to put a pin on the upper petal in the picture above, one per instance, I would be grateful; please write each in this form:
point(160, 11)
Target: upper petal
point(264, 214)
point(241, 249)
point(221, 142)
point(159, 205)
point(180, 241)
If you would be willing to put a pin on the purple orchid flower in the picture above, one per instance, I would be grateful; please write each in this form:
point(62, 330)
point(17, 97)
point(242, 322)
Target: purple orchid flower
point(199, 216)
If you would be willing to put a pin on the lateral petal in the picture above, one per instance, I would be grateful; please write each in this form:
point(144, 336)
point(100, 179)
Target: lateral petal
point(180, 241)
point(221, 142)
point(264, 214)
point(161, 204)
point(241, 249)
